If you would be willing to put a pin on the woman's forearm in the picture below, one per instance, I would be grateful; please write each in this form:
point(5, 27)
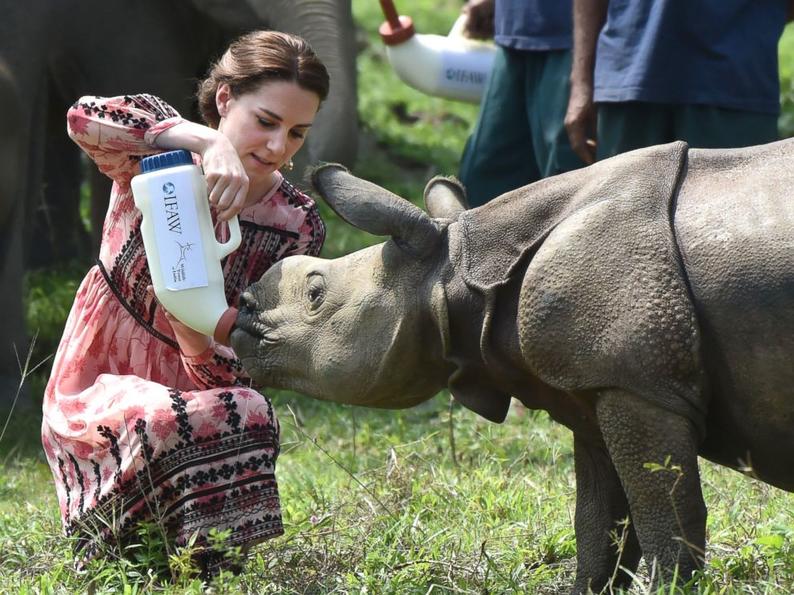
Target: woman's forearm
point(194, 137)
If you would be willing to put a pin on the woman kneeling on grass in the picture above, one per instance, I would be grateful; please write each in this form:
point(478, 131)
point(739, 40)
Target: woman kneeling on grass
point(144, 418)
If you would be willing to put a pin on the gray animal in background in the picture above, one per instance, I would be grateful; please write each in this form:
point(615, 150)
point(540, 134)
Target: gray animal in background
point(12, 222)
point(646, 302)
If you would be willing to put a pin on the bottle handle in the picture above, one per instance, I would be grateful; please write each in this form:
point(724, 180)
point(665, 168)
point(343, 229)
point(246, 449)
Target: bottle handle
point(230, 245)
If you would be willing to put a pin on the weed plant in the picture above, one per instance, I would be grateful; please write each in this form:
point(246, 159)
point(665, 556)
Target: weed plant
point(428, 500)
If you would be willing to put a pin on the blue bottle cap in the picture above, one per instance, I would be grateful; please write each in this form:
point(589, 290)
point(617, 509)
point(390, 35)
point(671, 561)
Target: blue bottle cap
point(164, 160)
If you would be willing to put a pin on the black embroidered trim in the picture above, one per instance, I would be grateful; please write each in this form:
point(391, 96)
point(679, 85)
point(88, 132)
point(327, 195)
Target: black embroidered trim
point(232, 417)
point(304, 202)
point(267, 228)
point(102, 112)
point(261, 477)
point(67, 487)
point(253, 493)
point(140, 431)
point(153, 105)
point(79, 475)
point(160, 471)
point(179, 405)
point(97, 480)
point(108, 435)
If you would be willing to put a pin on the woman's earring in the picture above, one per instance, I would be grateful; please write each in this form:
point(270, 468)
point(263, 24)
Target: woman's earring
point(288, 165)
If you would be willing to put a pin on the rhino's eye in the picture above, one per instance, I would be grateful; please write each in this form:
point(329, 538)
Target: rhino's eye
point(315, 291)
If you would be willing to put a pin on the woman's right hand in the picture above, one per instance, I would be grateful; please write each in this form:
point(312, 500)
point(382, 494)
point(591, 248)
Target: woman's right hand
point(227, 182)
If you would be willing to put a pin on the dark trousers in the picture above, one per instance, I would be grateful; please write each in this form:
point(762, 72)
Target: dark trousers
point(631, 125)
point(520, 135)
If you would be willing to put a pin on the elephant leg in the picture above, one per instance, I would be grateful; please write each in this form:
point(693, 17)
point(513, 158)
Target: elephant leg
point(655, 454)
point(59, 235)
point(606, 548)
point(13, 211)
point(13, 339)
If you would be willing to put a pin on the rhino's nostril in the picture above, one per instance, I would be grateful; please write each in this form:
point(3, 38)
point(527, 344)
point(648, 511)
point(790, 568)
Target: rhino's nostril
point(248, 301)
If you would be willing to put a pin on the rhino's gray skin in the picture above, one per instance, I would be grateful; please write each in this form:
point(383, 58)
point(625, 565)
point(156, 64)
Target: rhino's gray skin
point(646, 302)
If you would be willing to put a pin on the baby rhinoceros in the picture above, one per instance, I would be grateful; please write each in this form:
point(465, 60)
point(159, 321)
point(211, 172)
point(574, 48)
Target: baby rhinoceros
point(646, 302)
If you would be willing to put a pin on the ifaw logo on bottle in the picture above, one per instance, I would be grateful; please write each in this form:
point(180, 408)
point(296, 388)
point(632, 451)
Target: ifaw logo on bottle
point(465, 72)
point(178, 235)
point(463, 76)
point(171, 205)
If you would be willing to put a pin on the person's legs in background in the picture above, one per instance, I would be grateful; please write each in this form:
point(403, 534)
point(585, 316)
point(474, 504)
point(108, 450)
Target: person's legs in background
point(632, 125)
point(498, 155)
point(548, 88)
point(708, 127)
point(626, 126)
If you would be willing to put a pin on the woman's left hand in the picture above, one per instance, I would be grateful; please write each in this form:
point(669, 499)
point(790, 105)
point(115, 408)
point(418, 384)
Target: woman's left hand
point(191, 343)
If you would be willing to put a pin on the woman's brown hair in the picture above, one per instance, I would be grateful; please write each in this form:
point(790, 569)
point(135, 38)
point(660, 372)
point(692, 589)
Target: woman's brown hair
point(260, 57)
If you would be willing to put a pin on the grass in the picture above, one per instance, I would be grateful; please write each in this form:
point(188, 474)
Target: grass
point(427, 500)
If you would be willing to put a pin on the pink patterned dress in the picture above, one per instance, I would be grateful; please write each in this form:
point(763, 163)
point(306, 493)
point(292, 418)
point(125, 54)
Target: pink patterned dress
point(133, 429)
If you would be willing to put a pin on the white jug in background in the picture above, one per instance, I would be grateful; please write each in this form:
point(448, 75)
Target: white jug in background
point(452, 66)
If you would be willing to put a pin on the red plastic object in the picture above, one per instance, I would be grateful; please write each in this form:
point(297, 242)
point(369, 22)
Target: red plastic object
point(396, 29)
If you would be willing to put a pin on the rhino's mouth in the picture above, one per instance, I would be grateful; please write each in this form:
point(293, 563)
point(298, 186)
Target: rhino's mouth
point(247, 329)
point(245, 322)
point(254, 345)
point(243, 342)
point(246, 341)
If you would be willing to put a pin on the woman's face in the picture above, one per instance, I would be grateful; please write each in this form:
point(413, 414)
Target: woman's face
point(267, 126)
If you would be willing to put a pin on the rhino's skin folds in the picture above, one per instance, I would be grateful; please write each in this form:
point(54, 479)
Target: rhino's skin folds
point(646, 302)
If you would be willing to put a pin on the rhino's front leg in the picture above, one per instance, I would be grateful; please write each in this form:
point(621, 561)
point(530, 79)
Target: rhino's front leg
point(601, 505)
point(666, 502)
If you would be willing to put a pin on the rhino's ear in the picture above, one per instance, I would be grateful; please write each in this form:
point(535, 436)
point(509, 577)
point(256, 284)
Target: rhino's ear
point(445, 198)
point(376, 210)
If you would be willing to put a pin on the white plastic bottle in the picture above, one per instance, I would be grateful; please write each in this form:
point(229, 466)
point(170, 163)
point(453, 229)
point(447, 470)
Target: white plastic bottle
point(183, 254)
point(452, 66)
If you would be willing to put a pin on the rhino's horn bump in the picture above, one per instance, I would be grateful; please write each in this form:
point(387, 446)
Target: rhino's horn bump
point(445, 198)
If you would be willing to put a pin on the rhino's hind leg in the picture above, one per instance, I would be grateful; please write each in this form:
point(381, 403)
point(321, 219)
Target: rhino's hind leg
point(605, 548)
point(655, 454)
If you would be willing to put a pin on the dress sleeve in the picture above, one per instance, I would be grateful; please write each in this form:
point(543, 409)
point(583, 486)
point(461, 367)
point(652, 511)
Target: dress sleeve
point(217, 366)
point(117, 131)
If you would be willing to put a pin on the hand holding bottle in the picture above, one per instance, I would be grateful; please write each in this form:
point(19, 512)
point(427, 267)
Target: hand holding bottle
point(191, 343)
point(227, 182)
